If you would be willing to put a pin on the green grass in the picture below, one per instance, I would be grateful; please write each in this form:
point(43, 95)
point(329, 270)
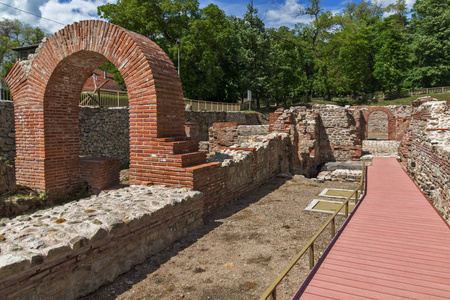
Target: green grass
point(407, 101)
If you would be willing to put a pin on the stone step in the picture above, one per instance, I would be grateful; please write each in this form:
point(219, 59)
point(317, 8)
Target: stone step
point(187, 159)
point(180, 147)
point(368, 157)
point(380, 148)
point(171, 139)
point(331, 166)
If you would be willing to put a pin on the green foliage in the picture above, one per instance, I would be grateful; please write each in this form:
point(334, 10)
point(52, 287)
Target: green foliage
point(14, 33)
point(365, 49)
point(430, 25)
point(112, 69)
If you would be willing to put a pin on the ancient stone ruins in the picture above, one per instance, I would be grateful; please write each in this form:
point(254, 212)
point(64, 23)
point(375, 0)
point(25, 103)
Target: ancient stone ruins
point(69, 250)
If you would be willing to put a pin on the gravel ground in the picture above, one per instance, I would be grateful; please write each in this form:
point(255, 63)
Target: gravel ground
point(239, 250)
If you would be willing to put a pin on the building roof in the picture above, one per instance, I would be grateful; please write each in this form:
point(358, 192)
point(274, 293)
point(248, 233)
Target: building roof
point(27, 47)
point(100, 77)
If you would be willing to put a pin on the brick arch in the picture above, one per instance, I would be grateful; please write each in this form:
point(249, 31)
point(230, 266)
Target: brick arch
point(391, 120)
point(46, 90)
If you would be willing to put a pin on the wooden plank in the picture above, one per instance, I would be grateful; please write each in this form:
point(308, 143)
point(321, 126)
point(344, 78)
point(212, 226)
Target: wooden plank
point(395, 246)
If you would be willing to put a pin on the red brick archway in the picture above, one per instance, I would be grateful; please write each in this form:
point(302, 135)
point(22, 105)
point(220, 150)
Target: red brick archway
point(391, 120)
point(46, 93)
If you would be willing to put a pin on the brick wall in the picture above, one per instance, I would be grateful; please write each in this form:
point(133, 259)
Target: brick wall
point(46, 106)
point(99, 173)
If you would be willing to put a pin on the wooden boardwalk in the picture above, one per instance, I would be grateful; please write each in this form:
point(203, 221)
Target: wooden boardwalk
point(396, 246)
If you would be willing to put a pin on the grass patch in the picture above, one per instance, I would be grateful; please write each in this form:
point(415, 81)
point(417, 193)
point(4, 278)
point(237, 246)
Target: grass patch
point(407, 100)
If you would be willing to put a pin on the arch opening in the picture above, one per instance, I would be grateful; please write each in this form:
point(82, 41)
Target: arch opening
point(378, 126)
point(47, 91)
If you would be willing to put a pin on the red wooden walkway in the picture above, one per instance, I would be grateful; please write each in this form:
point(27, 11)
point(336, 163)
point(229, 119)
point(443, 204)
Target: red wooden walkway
point(396, 246)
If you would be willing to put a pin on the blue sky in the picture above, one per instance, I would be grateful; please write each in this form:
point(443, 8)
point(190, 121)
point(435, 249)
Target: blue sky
point(275, 13)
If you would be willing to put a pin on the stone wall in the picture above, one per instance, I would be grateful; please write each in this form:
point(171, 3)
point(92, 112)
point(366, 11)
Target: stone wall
point(377, 125)
point(303, 127)
point(207, 118)
point(7, 178)
point(235, 170)
point(104, 132)
point(426, 152)
point(7, 131)
point(380, 148)
point(69, 251)
point(340, 133)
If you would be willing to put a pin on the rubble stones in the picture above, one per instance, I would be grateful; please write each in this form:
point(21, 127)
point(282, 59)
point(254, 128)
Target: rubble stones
point(87, 220)
point(7, 131)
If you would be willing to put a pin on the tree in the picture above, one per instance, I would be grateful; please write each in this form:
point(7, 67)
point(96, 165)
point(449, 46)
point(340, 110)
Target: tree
point(317, 35)
point(163, 21)
point(391, 58)
point(206, 56)
point(430, 25)
point(255, 44)
point(14, 33)
point(400, 10)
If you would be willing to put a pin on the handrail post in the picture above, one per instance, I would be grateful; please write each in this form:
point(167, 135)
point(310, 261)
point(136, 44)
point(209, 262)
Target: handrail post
point(311, 256)
point(346, 209)
point(273, 295)
point(333, 227)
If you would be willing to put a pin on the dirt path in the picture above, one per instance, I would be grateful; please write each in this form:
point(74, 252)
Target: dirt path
point(237, 253)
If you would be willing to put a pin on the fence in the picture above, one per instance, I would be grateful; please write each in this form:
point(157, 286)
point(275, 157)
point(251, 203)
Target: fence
point(199, 105)
point(5, 94)
point(104, 98)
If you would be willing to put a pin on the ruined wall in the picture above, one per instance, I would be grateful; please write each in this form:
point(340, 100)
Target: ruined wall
point(241, 167)
point(206, 119)
point(426, 152)
point(71, 250)
point(104, 131)
point(340, 133)
point(377, 125)
point(7, 131)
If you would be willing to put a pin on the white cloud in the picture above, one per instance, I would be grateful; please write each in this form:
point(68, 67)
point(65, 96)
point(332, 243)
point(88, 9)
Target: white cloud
point(62, 11)
point(286, 14)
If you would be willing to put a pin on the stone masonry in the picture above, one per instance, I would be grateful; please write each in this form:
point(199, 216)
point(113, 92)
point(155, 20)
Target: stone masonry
point(7, 131)
point(425, 150)
point(69, 251)
point(377, 126)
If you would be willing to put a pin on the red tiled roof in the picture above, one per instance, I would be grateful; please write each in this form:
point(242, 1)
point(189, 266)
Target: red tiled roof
point(100, 78)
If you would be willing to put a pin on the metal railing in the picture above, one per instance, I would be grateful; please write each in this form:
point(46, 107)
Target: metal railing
point(103, 97)
point(5, 94)
point(199, 105)
point(272, 289)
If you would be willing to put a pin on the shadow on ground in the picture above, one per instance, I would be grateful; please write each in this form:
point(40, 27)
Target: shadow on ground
point(140, 272)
